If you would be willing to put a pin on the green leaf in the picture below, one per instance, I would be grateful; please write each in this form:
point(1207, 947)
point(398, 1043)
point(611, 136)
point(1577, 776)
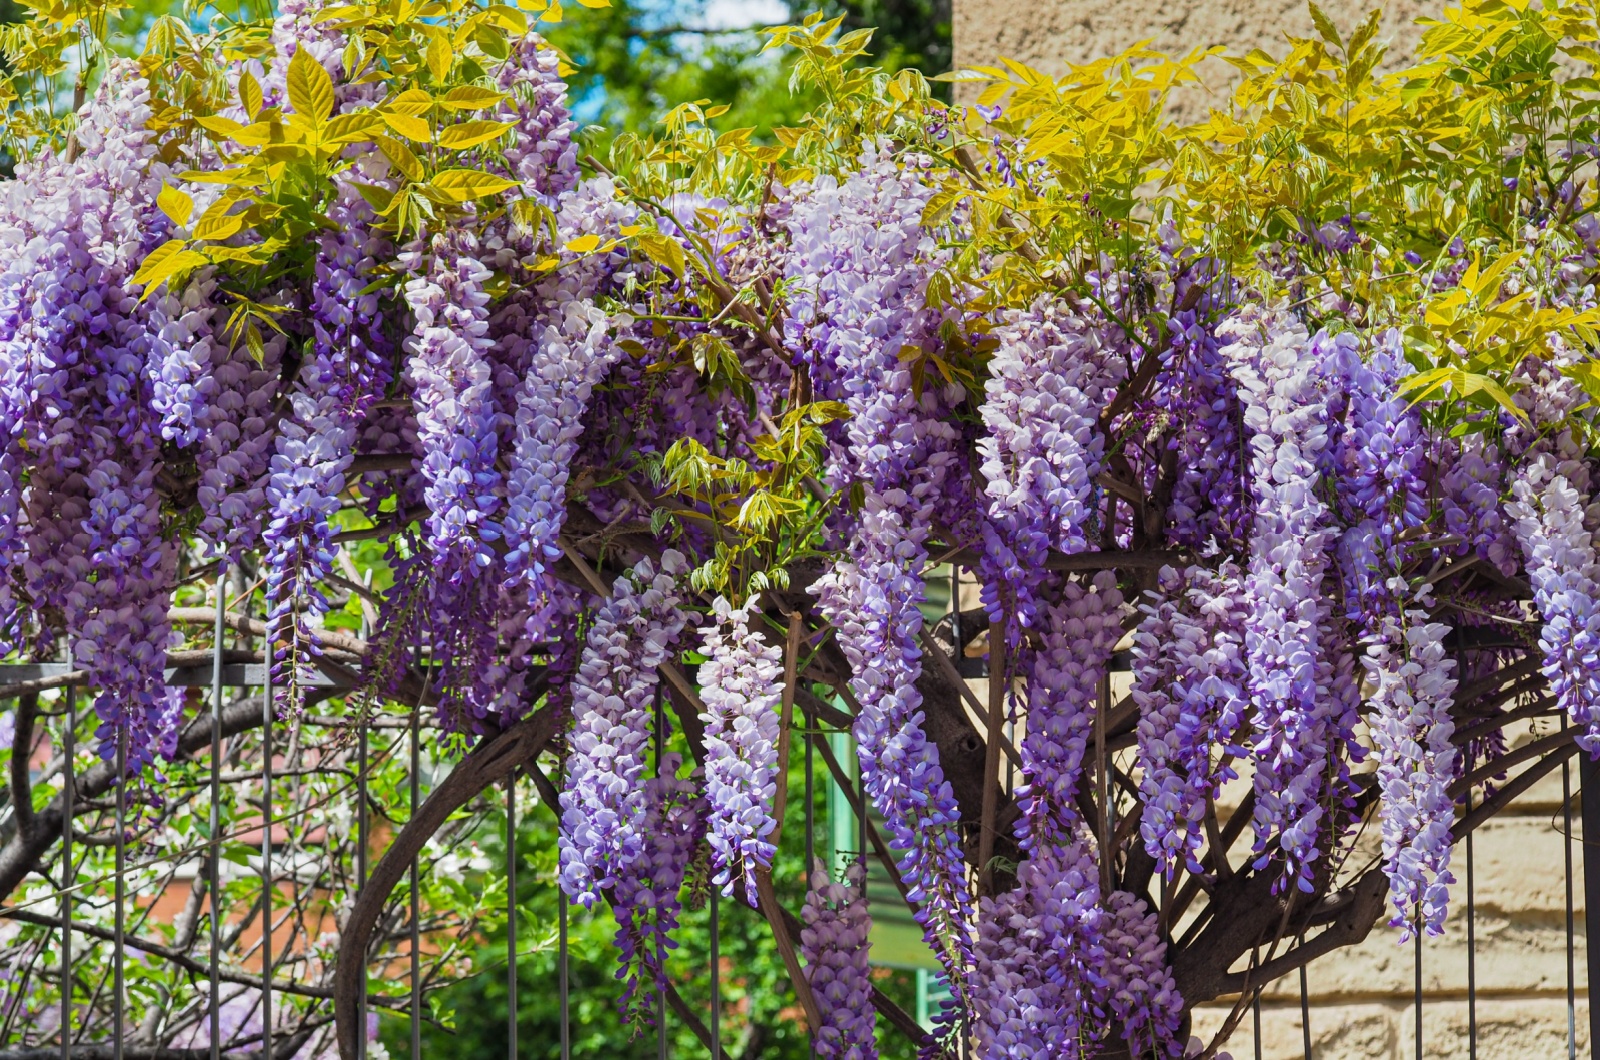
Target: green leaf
point(166, 261)
point(401, 158)
point(461, 185)
point(1324, 25)
point(310, 87)
point(470, 97)
point(412, 128)
point(175, 204)
point(250, 94)
point(664, 251)
point(471, 133)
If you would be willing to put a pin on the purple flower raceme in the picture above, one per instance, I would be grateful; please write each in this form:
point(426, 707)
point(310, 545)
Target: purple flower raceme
point(1412, 683)
point(449, 373)
point(1052, 372)
point(540, 152)
point(1140, 990)
point(645, 894)
point(1197, 392)
point(861, 261)
point(1039, 961)
point(1275, 364)
point(835, 945)
point(1189, 683)
point(86, 531)
point(603, 802)
point(346, 374)
point(1547, 514)
point(570, 352)
point(741, 684)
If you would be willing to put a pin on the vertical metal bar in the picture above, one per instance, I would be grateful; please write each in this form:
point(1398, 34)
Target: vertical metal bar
point(716, 983)
point(362, 841)
point(1589, 784)
point(68, 875)
point(1566, 817)
point(416, 903)
point(268, 713)
point(120, 923)
point(511, 915)
point(661, 956)
point(215, 819)
point(561, 975)
point(1472, 952)
point(1417, 966)
point(1305, 1014)
point(1257, 1007)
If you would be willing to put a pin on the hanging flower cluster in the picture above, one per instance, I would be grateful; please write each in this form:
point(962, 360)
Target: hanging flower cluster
point(836, 948)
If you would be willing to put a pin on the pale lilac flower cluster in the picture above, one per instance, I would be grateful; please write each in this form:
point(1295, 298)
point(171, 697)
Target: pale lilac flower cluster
point(741, 683)
point(1189, 683)
point(1052, 372)
point(1275, 364)
point(1197, 392)
point(570, 351)
point(1038, 961)
point(87, 530)
point(1412, 683)
point(1548, 517)
point(603, 803)
point(449, 373)
point(645, 894)
point(1142, 995)
point(861, 259)
point(835, 944)
point(540, 153)
point(1065, 675)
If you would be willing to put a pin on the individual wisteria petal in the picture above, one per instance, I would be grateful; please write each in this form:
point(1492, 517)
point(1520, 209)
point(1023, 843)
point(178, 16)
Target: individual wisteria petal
point(1275, 364)
point(1190, 685)
point(741, 684)
point(836, 946)
point(1140, 990)
point(1548, 517)
point(603, 801)
point(645, 895)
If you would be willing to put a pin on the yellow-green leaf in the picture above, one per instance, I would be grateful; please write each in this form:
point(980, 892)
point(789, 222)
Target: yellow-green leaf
point(470, 97)
point(412, 128)
point(412, 101)
point(226, 127)
point(310, 87)
point(401, 158)
point(218, 226)
point(439, 57)
point(166, 261)
point(471, 133)
point(664, 251)
point(463, 184)
point(595, 3)
point(250, 94)
point(175, 204)
point(583, 244)
point(351, 128)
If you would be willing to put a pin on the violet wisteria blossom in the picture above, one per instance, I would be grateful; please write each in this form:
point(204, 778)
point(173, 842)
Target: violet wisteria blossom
point(1140, 990)
point(741, 684)
point(836, 947)
point(603, 802)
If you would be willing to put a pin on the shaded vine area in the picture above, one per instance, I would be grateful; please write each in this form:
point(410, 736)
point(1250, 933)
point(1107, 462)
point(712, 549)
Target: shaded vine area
point(331, 359)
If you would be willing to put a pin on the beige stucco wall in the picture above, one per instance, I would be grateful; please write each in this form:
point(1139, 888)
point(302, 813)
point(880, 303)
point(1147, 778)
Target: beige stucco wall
point(1049, 34)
